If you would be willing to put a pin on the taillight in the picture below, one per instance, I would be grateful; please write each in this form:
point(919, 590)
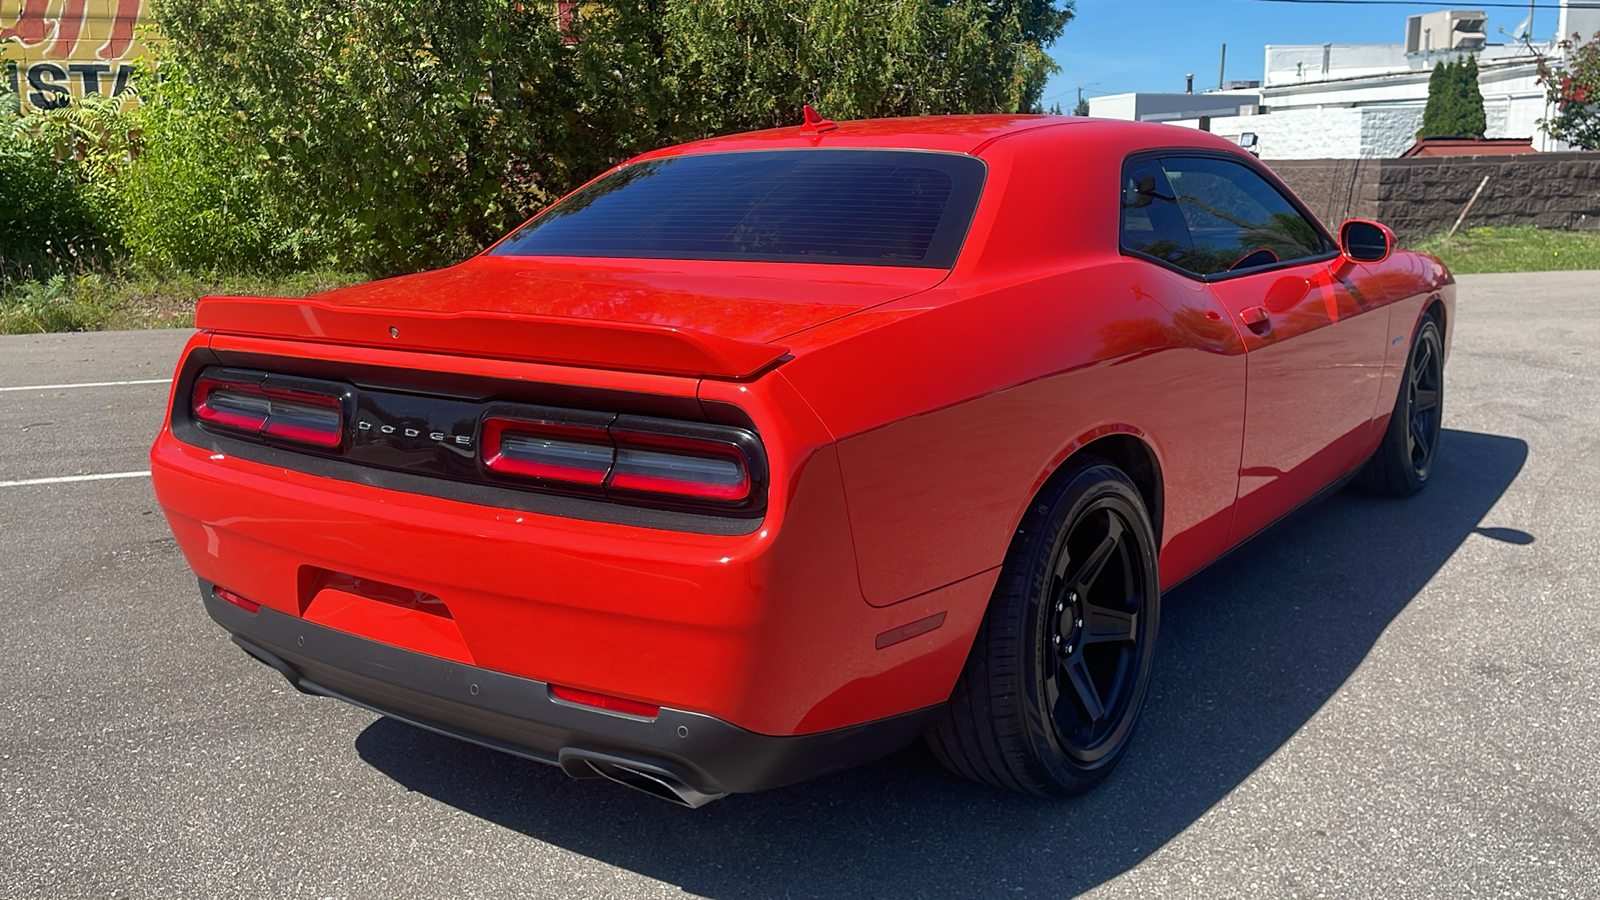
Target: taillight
point(627, 457)
point(689, 467)
point(574, 453)
point(295, 415)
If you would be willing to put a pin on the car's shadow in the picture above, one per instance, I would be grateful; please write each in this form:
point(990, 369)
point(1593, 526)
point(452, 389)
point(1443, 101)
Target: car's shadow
point(1250, 650)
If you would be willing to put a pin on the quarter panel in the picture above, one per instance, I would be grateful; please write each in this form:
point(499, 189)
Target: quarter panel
point(981, 398)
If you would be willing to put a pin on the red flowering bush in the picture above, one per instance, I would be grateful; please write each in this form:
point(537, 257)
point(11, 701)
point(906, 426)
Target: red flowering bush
point(1573, 90)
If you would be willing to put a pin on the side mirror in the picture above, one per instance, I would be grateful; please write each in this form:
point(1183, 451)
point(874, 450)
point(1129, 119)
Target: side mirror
point(1364, 241)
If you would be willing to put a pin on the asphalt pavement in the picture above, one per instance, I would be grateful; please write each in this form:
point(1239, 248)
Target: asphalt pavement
point(1376, 699)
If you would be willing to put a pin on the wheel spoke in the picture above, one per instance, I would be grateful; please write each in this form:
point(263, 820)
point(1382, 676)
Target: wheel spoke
point(1425, 400)
point(1424, 361)
point(1420, 439)
point(1083, 686)
point(1062, 709)
point(1101, 625)
point(1082, 579)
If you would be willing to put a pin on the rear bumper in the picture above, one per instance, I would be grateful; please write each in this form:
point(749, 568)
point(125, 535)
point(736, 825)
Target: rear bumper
point(679, 755)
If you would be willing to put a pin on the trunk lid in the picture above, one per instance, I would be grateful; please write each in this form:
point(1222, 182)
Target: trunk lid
point(680, 317)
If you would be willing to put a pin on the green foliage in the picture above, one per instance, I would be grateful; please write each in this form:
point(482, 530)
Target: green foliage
point(193, 197)
point(391, 135)
point(33, 307)
point(1573, 91)
point(350, 138)
point(741, 64)
point(133, 296)
point(54, 172)
point(1455, 103)
point(1082, 109)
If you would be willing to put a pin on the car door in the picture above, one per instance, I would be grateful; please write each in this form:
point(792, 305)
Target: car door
point(1314, 349)
point(1197, 396)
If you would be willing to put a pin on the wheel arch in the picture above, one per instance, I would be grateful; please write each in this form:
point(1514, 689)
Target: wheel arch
point(1131, 453)
point(1440, 311)
point(1138, 461)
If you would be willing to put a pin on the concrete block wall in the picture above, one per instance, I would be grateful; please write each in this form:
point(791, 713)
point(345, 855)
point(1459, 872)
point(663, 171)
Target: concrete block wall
point(1418, 197)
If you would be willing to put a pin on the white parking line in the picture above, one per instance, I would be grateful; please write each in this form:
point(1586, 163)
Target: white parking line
point(64, 479)
point(84, 384)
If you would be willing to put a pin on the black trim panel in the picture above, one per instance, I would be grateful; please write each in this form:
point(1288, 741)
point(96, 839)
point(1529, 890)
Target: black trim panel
point(519, 715)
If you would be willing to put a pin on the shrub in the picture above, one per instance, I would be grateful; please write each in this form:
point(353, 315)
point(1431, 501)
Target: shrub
point(1573, 89)
point(194, 197)
point(50, 220)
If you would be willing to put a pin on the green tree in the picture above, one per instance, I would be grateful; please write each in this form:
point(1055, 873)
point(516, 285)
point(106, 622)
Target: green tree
point(1082, 109)
point(1573, 89)
point(390, 135)
point(1455, 103)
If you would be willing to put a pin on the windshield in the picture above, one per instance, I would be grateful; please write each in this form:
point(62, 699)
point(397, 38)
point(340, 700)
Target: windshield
point(860, 207)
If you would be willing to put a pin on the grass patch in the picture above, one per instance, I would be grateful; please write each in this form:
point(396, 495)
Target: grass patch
point(139, 298)
point(1521, 248)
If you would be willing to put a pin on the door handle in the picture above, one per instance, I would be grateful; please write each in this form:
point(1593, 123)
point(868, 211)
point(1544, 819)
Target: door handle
point(1256, 319)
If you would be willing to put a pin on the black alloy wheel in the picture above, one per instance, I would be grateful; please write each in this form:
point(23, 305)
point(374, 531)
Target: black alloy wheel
point(1424, 384)
point(1404, 460)
point(1096, 644)
point(1059, 671)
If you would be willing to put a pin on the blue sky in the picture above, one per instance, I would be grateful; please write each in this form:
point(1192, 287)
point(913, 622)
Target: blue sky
point(1147, 45)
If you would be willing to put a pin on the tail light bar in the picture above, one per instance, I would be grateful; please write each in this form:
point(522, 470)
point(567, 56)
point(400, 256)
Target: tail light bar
point(629, 457)
point(261, 404)
point(677, 465)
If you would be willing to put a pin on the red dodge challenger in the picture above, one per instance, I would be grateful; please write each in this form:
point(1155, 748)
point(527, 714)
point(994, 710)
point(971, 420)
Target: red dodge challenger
point(762, 456)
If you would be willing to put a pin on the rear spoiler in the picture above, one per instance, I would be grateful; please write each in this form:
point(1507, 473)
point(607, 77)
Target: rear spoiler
point(546, 339)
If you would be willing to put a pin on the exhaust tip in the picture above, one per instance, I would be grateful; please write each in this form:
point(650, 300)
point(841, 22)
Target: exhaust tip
point(641, 776)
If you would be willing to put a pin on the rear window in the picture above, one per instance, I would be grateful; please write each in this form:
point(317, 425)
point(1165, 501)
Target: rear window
point(859, 207)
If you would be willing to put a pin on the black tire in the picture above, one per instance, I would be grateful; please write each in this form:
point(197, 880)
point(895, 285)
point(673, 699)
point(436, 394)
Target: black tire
point(1077, 603)
point(1404, 460)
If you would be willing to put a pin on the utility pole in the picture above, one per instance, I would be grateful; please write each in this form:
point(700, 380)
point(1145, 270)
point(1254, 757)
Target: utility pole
point(1222, 69)
point(1082, 109)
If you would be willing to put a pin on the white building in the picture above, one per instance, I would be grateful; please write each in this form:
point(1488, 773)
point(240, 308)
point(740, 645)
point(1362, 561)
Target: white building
point(1353, 101)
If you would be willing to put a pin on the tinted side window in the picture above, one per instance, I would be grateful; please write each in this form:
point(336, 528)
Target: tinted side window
point(1152, 224)
point(1236, 219)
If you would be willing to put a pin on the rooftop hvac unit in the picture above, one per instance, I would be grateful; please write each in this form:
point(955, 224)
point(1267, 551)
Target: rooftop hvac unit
point(1450, 29)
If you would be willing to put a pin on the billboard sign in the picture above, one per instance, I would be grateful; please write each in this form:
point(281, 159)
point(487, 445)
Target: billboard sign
point(57, 49)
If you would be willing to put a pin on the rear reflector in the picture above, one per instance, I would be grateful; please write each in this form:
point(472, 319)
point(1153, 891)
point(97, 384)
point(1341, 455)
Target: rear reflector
point(301, 416)
point(606, 702)
point(249, 606)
